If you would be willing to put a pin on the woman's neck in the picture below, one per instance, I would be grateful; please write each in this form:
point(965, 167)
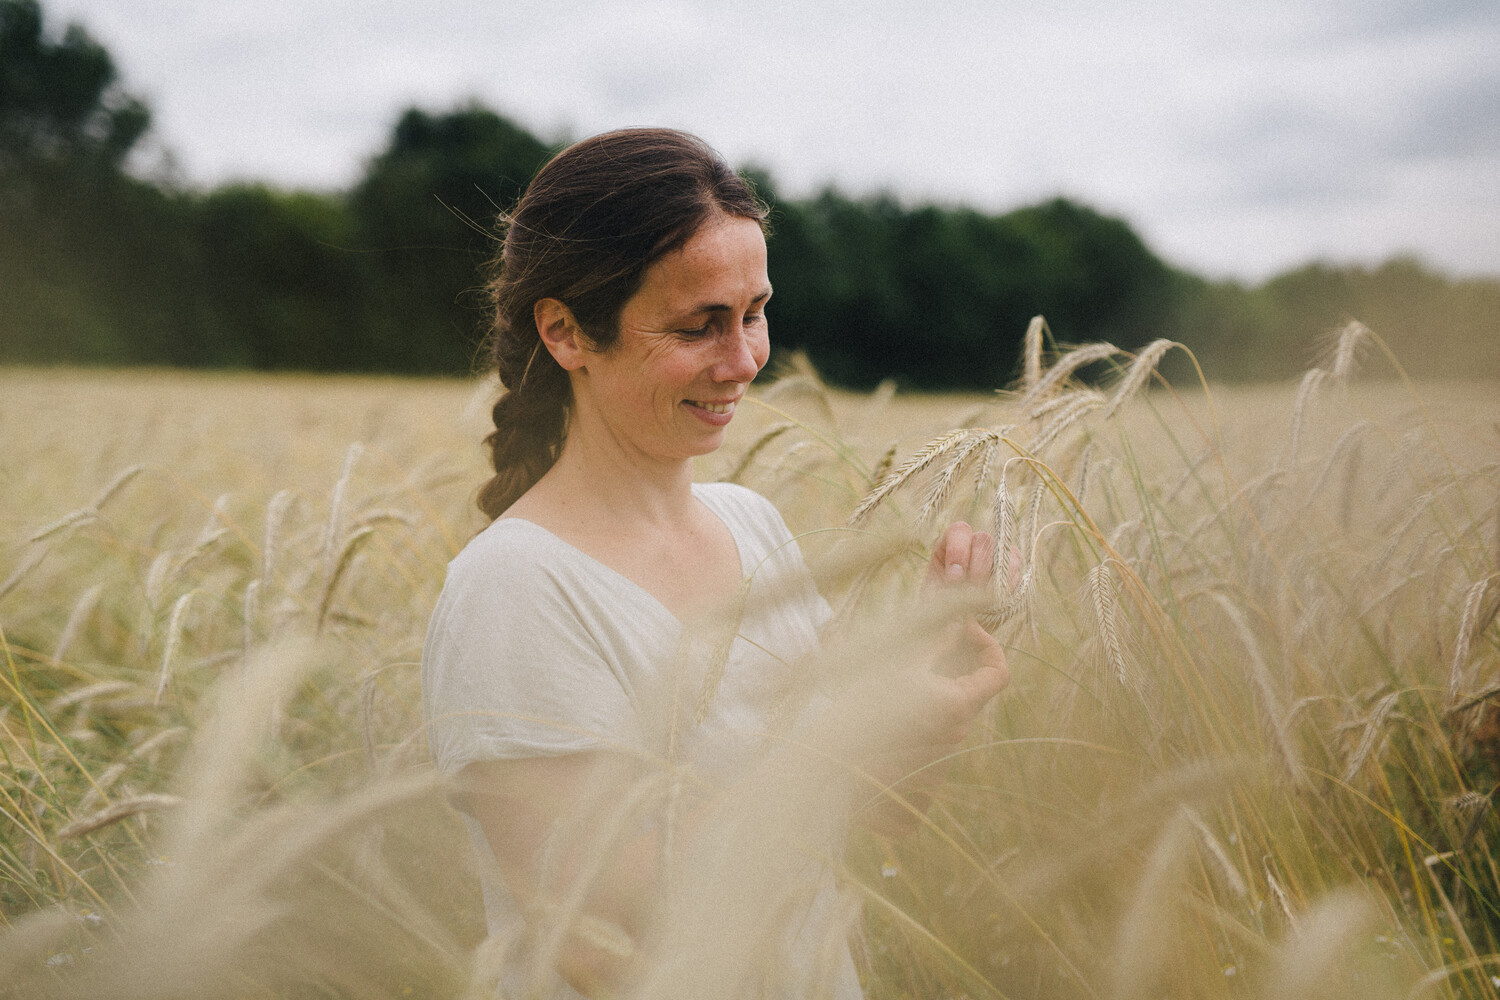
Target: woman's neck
point(595, 483)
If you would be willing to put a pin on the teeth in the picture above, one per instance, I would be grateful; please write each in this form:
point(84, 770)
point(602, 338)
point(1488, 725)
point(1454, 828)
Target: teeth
point(716, 407)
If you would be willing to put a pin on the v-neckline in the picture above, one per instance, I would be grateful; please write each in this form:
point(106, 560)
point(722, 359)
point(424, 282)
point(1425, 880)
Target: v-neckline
point(632, 584)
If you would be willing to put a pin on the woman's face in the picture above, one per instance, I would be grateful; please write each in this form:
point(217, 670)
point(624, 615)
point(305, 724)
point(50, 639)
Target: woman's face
point(691, 340)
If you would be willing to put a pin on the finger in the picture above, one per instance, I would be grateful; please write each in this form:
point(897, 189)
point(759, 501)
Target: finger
point(951, 554)
point(981, 556)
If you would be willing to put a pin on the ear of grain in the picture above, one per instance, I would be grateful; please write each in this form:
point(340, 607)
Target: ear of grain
point(1076, 410)
point(345, 558)
point(173, 643)
point(336, 508)
point(1064, 368)
point(1306, 392)
point(912, 467)
point(1141, 369)
point(1470, 625)
point(1351, 338)
point(1031, 354)
point(113, 813)
point(276, 512)
point(1101, 596)
point(83, 608)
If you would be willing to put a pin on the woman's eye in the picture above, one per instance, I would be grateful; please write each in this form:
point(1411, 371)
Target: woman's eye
point(694, 333)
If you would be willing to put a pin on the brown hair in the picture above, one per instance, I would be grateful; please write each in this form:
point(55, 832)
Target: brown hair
point(590, 223)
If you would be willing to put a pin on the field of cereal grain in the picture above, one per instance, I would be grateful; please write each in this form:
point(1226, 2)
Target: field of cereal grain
point(1252, 747)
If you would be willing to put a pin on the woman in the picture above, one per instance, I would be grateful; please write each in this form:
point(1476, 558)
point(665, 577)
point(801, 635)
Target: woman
point(580, 677)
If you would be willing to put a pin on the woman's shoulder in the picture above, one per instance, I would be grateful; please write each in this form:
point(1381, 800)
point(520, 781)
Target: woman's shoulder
point(508, 550)
point(731, 500)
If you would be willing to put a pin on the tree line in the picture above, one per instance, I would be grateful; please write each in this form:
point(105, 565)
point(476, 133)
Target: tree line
point(98, 266)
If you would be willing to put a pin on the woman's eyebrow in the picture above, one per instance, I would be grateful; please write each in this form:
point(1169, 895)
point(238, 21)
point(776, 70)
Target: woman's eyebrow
point(717, 307)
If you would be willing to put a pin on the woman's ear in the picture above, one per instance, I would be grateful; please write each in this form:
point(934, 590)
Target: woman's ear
point(560, 332)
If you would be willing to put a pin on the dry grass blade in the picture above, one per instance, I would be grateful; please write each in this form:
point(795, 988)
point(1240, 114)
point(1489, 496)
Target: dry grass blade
point(1141, 369)
point(940, 490)
point(1031, 353)
point(1146, 941)
point(913, 466)
point(1085, 403)
point(1219, 854)
point(718, 660)
point(87, 693)
point(1477, 615)
point(1352, 337)
point(82, 515)
point(249, 616)
point(113, 813)
point(1106, 626)
point(346, 556)
point(1064, 368)
point(32, 561)
point(175, 626)
point(1271, 698)
point(82, 609)
point(882, 467)
point(336, 507)
point(1305, 394)
point(1374, 728)
point(752, 452)
point(276, 512)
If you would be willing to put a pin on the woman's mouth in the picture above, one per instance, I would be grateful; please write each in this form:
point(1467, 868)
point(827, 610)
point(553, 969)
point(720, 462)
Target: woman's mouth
point(713, 407)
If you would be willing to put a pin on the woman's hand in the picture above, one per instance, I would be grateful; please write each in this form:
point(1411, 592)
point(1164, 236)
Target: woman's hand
point(941, 697)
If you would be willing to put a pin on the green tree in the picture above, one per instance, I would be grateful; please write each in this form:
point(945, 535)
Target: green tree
point(60, 107)
point(423, 215)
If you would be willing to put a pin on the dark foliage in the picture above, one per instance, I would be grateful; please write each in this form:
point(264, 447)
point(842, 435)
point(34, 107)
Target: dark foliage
point(100, 267)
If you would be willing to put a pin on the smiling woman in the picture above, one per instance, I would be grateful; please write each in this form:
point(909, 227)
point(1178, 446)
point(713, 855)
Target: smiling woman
point(582, 680)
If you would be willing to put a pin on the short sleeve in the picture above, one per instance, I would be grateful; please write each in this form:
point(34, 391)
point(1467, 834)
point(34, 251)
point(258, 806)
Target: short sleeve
point(511, 667)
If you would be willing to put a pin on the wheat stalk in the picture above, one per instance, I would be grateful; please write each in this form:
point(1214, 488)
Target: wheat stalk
point(336, 508)
point(1064, 368)
point(346, 556)
point(82, 609)
point(1106, 626)
point(1305, 394)
point(276, 512)
point(1374, 727)
point(1083, 404)
point(175, 626)
point(1470, 625)
point(743, 465)
point(123, 809)
point(718, 660)
point(1140, 370)
point(913, 466)
point(1351, 337)
point(82, 515)
point(1031, 353)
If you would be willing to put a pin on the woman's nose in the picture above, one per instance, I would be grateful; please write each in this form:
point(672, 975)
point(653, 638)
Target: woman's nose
point(745, 353)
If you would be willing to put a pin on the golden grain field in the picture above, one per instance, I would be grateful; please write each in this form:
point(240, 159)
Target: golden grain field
point(1251, 749)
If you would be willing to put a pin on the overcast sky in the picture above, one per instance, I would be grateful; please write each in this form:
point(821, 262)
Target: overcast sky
point(1240, 137)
